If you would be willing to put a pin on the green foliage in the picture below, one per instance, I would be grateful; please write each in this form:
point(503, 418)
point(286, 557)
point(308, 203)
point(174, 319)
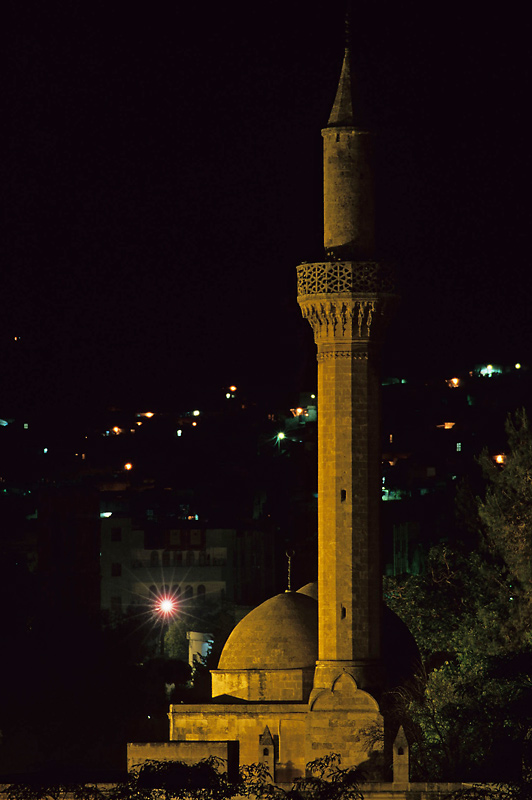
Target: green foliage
point(471, 615)
point(206, 780)
point(175, 779)
point(42, 788)
point(326, 780)
point(506, 513)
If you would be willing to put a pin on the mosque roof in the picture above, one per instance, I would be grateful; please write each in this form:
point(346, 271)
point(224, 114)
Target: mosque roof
point(281, 633)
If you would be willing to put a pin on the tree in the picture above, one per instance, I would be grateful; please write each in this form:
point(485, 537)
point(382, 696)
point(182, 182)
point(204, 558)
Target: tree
point(471, 615)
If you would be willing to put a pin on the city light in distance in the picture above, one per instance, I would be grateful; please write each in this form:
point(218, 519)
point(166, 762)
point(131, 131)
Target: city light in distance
point(281, 435)
point(196, 413)
point(453, 383)
point(518, 365)
point(128, 466)
point(500, 458)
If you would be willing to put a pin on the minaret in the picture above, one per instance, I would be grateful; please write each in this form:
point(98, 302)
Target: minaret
point(348, 300)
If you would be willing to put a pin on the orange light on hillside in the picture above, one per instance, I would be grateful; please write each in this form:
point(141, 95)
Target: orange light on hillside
point(500, 458)
point(128, 466)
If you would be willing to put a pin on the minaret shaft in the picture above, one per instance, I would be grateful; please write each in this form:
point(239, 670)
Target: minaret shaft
point(348, 503)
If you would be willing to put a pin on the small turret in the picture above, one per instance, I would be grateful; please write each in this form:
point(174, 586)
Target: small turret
point(401, 767)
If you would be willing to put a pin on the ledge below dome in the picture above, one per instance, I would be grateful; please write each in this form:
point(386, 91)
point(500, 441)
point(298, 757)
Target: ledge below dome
point(267, 685)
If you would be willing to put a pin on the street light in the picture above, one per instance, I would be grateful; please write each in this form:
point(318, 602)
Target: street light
point(165, 608)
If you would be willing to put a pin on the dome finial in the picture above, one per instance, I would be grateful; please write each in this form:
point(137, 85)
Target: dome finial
point(289, 554)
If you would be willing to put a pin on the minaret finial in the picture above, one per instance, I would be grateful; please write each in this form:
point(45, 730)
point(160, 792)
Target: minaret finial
point(347, 26)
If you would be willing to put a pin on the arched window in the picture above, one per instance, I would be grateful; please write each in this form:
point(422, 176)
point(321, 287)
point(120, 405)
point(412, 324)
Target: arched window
point(166, 590)
point(201, 592)
point(189, 592)
point(154, 558)
point(153, 590)
point(176, 590)
point(166, 559)
point(265, 752)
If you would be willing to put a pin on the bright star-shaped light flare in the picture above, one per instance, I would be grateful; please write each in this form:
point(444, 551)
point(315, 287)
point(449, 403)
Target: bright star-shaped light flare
point(166, 606)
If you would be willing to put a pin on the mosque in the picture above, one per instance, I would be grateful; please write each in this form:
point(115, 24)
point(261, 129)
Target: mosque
point(302, 675)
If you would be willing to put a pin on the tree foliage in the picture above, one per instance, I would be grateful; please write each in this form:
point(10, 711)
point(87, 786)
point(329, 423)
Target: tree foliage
point(206, 780)
point(471, 615)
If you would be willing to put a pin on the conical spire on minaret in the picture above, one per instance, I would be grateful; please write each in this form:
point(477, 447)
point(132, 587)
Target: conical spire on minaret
point(342, 113)
point(342, 110)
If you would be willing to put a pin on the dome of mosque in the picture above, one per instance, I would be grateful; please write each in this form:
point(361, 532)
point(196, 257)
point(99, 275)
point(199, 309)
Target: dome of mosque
point(281, 633)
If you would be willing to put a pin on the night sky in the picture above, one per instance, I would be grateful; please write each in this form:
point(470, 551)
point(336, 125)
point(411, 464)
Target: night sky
point(163, 180)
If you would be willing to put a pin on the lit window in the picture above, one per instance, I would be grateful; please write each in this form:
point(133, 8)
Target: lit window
point(453, 383)
point(458, 447)
point(128, 466)
point(196, 413)
point(500, 458)
point(446, 425)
